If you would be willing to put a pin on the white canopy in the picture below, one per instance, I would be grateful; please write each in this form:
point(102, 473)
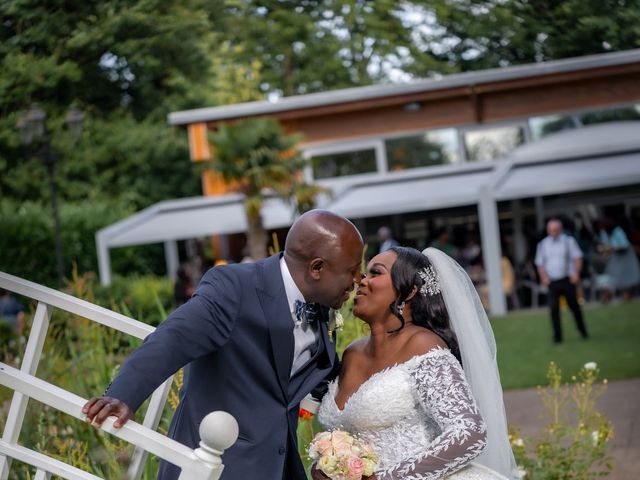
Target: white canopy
point(599, 156)
point(195, 217)
point(593, 157)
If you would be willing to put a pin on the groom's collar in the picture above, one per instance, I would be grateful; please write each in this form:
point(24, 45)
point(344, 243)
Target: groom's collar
point(290, 287)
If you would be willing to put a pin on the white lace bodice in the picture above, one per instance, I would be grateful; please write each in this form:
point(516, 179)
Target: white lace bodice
point(419, 416)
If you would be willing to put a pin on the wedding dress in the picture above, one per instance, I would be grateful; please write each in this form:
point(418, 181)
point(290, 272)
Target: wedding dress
point(419, 417)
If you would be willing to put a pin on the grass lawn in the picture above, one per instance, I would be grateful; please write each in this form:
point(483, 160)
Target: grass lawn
point(525, 347)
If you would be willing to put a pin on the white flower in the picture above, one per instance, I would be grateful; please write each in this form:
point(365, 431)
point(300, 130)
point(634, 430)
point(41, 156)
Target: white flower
point(336, 322)
point(590, 366)
point(518, 442)
point(521, 472)
point(594, 437)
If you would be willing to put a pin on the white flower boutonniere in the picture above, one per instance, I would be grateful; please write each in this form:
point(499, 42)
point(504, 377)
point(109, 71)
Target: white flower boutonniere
point(336, 322)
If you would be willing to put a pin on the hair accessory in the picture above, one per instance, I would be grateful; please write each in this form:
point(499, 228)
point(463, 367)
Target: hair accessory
point(431, 285)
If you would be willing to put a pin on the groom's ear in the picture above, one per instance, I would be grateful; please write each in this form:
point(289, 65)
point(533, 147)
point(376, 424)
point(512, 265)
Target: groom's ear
point(315, 267)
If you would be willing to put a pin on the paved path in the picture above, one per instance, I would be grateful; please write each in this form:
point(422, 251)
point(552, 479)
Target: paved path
point(621, 404)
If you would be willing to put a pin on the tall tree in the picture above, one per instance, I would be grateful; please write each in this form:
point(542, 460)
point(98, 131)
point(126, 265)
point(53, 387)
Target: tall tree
point(475, 35)
point(260, 160)
point(126, 64)
point(318, 45)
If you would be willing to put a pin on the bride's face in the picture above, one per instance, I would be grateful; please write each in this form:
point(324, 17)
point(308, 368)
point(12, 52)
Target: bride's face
point(375, 292)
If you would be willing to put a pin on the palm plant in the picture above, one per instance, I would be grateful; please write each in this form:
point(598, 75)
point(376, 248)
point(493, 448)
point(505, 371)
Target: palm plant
point(258, 159)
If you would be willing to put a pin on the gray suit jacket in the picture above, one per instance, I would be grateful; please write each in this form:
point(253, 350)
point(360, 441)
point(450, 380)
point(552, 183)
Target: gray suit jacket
point(235, 337)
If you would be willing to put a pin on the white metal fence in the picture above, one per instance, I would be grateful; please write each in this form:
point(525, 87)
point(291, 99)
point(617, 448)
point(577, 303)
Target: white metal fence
point(218, 430)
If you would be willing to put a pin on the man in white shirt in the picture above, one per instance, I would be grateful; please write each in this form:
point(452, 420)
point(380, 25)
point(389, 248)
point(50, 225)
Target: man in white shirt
point(386, 239)
point(559, 261)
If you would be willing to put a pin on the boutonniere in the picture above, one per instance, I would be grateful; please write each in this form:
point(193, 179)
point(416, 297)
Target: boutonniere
point(336, 322)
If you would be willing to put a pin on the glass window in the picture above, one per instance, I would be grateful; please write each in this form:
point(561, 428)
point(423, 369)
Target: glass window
point(492, 143)
point(543, 126)
point(341, 164)
point(611, 115)
point(435, 147)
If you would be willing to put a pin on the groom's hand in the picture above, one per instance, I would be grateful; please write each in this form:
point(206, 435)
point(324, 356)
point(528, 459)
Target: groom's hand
point(99, 408)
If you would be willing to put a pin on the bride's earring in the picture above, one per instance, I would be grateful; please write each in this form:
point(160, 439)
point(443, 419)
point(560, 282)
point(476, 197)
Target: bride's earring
point(401, 309)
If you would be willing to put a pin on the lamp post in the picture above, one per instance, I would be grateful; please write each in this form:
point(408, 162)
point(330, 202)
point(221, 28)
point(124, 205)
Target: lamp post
point(33, 131)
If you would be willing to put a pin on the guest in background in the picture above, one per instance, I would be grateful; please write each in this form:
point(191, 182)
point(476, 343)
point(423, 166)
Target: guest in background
point(184, 287)
point(621, 262)
point(11, 311)
point(559, 261)
point(443, 242)
point(386, 239)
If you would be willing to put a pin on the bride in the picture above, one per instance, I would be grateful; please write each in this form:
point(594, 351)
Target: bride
point(423, 388)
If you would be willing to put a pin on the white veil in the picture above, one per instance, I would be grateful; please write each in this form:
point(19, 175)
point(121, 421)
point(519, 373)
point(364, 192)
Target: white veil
point(478, 351)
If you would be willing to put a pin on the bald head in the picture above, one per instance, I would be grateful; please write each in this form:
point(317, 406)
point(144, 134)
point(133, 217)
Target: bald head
point(323, 252)
point(316, 232)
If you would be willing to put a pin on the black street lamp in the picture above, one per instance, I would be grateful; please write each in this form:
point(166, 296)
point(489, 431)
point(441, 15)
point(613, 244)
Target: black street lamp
point(33, 131)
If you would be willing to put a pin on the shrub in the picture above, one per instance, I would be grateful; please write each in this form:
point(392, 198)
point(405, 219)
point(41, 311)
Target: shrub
point(573, 443)
point(27, 241)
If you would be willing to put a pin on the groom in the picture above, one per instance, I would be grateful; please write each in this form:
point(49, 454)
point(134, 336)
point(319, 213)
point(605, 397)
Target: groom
point(245, 350)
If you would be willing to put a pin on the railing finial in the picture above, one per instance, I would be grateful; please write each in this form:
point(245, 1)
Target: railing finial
point(218, 431)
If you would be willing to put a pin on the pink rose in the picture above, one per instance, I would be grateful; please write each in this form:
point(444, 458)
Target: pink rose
point(323, 446)
point(355, 468)
point(341, 442)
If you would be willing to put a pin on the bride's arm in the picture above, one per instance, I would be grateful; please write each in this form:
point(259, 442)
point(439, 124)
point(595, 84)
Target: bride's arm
point(444, 394)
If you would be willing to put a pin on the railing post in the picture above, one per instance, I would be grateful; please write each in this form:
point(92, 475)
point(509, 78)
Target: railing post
point(29, 365)
point(151, 420)
point(42, 475)
point(218, 431)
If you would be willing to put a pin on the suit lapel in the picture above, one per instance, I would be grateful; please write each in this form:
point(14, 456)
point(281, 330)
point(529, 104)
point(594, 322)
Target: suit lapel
point(329, 344)
point(273, 299)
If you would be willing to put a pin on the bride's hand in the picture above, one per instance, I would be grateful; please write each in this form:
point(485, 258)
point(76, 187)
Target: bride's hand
point(317, 474)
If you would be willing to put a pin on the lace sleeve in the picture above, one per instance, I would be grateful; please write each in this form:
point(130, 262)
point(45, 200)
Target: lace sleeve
point(443, 392)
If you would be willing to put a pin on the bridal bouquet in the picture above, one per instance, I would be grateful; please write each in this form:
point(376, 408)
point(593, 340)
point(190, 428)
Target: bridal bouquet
point(341, 456)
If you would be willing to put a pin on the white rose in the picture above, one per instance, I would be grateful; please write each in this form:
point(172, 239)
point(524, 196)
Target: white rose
point(590, 366)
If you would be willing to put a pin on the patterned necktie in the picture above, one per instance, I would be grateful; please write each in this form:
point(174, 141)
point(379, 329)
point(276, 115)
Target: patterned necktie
point(306, 313)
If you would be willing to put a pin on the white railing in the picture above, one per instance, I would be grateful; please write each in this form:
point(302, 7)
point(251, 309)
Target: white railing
point(218, 430)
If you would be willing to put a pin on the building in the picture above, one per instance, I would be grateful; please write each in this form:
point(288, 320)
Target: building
point(498, 149)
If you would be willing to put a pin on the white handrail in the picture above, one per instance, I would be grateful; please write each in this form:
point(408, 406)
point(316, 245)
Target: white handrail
point(75, 305)
point(72, 404)
point(218, 430)
point(42, 462)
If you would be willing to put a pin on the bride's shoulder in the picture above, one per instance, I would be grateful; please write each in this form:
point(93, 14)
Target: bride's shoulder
point(422, 341)
point(355, 349)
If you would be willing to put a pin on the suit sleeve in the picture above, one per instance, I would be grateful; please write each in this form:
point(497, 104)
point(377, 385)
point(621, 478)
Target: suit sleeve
point(197, 328)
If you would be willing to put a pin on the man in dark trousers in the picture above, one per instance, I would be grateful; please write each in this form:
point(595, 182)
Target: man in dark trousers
point(254, 342)
point(559, 261)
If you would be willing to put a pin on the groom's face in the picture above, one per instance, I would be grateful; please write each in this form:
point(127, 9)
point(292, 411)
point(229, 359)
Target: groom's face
point(338, 272)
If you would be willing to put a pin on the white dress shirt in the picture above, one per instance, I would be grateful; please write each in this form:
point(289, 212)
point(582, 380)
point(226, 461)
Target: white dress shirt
point(558, 255)
point(305, 337)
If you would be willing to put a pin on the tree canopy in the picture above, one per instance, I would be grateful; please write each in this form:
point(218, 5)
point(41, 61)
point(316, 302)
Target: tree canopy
point(128, 63)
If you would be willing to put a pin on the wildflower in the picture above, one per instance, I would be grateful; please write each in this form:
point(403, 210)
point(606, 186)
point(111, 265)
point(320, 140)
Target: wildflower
point(595, 435)
point(590, 366)
point(518, 442)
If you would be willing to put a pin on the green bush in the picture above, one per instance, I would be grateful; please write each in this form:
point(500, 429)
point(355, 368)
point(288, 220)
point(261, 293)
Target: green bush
point(573, 443)
point(27, 247)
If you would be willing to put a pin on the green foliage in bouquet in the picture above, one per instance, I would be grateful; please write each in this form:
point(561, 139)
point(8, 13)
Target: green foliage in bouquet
point(573, 443)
